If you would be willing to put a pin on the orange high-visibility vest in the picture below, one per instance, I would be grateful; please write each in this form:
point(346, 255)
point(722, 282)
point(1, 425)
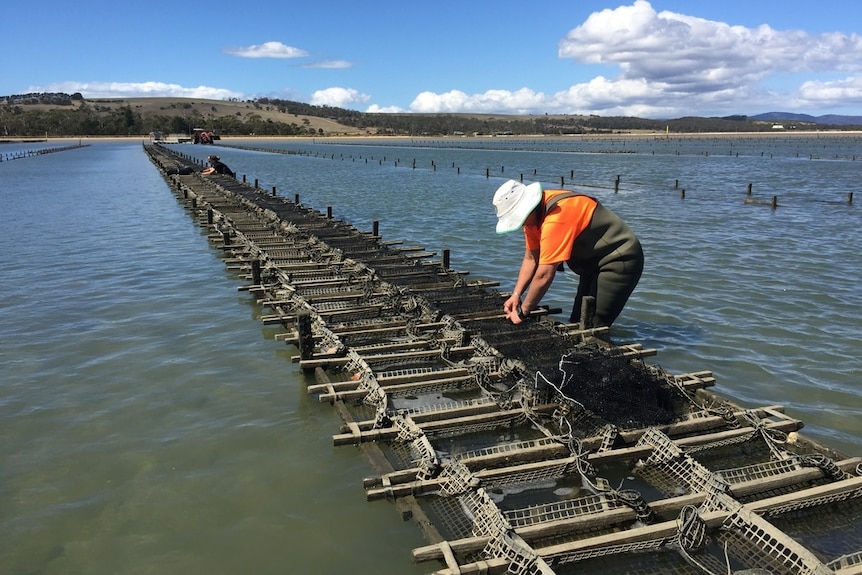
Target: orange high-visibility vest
point(564, 216)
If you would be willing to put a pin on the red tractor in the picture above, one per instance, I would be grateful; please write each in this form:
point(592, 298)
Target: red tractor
point(201, 136)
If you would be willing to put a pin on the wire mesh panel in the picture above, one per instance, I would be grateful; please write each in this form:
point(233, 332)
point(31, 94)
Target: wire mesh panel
point(831, 530)
point(755, 543)
point(581, 507)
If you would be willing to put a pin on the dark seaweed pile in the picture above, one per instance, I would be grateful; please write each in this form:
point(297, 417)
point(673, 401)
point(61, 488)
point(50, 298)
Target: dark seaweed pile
point(618, 390)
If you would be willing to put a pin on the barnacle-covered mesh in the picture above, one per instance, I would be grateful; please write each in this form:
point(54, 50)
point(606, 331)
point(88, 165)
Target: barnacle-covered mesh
point(408, 275)
point(529, 342)
point(616, 389)
point(463, 300)
point(329, 343)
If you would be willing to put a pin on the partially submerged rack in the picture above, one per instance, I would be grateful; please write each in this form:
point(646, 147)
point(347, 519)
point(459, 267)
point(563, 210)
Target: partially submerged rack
point(538, 448)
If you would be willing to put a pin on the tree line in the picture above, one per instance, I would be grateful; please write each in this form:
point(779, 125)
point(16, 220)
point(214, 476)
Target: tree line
point(95, 120)
point(18, 118)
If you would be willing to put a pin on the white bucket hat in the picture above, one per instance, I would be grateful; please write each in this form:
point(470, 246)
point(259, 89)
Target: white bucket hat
point(514, 201)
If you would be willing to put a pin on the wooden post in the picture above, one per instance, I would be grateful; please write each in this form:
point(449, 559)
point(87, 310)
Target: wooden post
point(774, 202)
point(588, 312)
point(255, 183)
point(487, 173)
point(682, 194)
point(375, 228)
point(850, 197)
point(209, 216)
point(305, 341)
point(273, 191)
point(749, 189)
point(675, 184)
point(617, 184)
point(445, 259)
point(255, 272)
point(329, 212)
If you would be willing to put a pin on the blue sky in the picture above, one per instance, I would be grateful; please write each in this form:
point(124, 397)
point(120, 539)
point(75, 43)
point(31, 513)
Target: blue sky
point(653, 59)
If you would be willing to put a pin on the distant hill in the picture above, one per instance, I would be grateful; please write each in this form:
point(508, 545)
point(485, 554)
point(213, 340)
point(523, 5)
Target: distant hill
point(73, 115)
point(57, 114)
point(830, 119)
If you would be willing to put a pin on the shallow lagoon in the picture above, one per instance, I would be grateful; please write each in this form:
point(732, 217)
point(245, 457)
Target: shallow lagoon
point(151, 424)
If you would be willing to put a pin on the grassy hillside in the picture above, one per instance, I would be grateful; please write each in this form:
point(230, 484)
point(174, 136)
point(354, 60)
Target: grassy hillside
point(64, 115)
point(211, 110)
point(60, 115)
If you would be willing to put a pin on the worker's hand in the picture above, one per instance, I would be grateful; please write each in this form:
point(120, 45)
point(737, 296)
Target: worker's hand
point(511, 304)
point(512, 307)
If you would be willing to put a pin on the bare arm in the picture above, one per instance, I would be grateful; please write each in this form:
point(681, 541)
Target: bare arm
point(534, 276)
point(542, 280)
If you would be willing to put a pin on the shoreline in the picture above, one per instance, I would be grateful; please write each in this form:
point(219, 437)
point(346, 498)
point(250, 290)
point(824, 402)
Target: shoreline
point(356, 138)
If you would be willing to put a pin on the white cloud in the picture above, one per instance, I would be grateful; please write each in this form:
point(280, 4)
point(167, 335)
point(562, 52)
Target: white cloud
point(338, 97)
point(375, 109)
point(330, 64)
point(600, 95)
point(692, 56)
point(453, 101)
point(673, 64)
point(846, 92)
point(267, 50)
point(523, 101)
point(137, 89)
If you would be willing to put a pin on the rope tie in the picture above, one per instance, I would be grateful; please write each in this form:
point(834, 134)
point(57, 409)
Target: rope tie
point(726, 413)
point(633, 499)
point(774, 438)
point(691, 529)
point(825, 464)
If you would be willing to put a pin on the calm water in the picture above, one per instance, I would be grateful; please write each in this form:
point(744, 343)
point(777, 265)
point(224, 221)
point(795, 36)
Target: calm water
point(150, 424)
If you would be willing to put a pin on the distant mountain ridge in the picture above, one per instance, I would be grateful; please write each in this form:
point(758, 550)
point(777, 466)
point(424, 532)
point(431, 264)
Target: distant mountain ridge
point(832, 119)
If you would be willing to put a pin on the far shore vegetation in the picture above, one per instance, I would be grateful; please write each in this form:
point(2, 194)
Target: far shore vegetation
point(64, 115)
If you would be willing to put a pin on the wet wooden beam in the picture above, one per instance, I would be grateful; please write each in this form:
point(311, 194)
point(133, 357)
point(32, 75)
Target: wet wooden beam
point(388, 434)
